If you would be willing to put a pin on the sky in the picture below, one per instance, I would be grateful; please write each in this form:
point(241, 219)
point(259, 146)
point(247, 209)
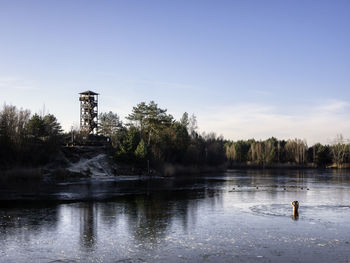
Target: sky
point(246, 69)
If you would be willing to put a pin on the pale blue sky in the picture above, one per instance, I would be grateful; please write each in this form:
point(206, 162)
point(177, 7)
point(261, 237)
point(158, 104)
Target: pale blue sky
point(245, 68)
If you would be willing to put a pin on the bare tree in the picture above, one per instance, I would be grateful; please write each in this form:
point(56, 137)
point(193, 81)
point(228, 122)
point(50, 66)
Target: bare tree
point(263, 152)
point(192, 126)
point(13, 123)
point(339, 150)
point(296, 150)
point(230, 152)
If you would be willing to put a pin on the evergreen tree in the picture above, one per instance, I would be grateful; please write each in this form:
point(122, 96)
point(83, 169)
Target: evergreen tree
point(109, 124)
point(141, 151)
point(51, 126)
point(36, 127)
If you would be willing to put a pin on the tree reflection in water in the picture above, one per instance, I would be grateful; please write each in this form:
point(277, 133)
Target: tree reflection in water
point(88, 225)
point(148, 218)
point(196, 217)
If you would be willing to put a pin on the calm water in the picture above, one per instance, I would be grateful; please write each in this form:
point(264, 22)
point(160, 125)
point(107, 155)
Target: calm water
point(200, 219)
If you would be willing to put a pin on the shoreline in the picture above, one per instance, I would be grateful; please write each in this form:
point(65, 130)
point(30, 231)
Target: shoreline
point(109, 188)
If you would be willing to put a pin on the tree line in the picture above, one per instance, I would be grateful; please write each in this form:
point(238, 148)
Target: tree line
point(272, 151)
point(154, 135)
point(26, 139)
point(293, 151)
point(150, 134)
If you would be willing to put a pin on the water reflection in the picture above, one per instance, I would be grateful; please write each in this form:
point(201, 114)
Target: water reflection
point(88, 225)
point(146, 219)
point(190, 217)
point(27, 222)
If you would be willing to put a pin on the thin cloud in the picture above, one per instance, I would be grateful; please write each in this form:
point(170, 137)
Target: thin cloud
point(16, 83)
point(161, 85)
point(6, 81)
point(319, 123)
point(334, 106)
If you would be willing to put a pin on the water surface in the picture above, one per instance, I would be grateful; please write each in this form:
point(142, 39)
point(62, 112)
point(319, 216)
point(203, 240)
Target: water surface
point(238, 216)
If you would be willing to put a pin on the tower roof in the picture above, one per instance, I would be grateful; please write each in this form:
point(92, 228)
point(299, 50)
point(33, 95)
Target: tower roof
point(88, 92)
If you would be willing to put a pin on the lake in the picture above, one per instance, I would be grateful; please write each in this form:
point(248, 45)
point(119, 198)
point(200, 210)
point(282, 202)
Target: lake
point(237, 216)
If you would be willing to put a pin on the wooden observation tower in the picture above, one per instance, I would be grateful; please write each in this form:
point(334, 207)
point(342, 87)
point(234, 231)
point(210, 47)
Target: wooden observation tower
point(89, 112)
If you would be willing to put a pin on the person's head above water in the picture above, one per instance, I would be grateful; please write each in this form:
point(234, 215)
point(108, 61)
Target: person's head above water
point(295, 205)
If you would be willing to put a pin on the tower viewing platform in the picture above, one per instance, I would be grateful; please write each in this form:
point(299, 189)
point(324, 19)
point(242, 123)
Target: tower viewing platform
point(89, 112)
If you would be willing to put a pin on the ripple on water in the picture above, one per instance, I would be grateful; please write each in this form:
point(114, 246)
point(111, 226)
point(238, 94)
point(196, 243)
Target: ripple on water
point(308, 212)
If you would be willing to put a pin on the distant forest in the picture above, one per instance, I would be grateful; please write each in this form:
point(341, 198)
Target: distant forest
point(152, 134)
